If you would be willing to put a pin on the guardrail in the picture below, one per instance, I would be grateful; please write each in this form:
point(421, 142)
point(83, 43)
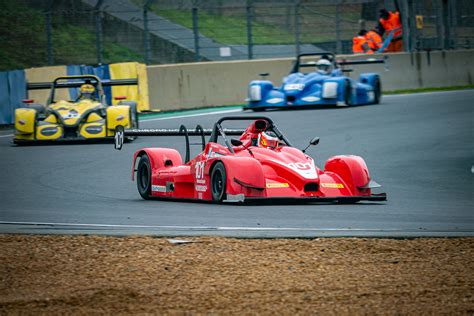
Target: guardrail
point(206, 84)
point(194, 85)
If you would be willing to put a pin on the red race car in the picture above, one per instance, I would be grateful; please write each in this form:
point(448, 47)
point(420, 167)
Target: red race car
point(260, 165)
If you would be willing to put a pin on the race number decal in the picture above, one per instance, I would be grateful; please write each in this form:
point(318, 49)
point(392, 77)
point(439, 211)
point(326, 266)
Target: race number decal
point(200, 169)
point(201, 185)
point(305, 169)
point(300, 165)
point(119, 131)
point(71, 115)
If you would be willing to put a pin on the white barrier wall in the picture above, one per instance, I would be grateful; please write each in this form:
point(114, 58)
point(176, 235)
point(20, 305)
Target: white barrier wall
point(184, 86)
point(46, 74)
point(194, 85)
point(422, 69)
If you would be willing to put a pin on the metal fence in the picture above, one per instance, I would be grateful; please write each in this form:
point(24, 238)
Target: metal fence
point(168, 31)
point(439, 24)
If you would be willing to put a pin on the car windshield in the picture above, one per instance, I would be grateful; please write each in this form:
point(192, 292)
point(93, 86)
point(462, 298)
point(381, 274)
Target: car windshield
point(306, 63)
point(85, 88)
point(257, 125)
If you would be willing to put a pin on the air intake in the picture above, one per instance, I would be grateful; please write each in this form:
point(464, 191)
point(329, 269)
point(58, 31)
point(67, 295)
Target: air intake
point(311, 187)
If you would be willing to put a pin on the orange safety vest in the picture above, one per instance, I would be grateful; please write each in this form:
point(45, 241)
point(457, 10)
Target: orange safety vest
point(374, 40)
point(392, 23)
point(360, 45)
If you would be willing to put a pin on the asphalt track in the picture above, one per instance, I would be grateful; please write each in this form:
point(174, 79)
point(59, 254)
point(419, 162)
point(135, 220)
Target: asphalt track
point(419, 147)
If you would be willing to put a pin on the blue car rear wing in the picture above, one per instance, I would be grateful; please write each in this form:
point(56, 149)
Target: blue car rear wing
point(332, 58)
point(362, 62)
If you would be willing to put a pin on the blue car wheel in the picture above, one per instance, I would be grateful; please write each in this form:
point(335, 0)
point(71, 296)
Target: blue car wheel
point(377, 91)
point(347, 92)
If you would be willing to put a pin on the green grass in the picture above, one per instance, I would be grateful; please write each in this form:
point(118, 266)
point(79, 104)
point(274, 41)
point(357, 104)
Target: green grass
point(403, 91)
point(228, 30)
point(24, 41)
point(83, 50)
point(232, 29)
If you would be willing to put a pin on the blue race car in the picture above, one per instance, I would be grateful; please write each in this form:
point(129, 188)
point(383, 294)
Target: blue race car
point(327, 85)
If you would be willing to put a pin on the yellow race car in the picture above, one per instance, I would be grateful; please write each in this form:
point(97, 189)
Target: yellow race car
point(86, 118)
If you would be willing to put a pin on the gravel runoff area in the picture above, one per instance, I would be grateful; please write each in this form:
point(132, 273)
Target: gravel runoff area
point(214, 275)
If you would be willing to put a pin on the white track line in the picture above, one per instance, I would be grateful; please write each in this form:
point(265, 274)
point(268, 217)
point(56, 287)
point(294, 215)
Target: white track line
point(167, 227)
point(8, 135)
point(217, 228)
point(424, 93)
point(191, 115)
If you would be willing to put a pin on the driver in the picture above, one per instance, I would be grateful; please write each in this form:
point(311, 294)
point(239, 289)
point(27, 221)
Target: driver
point(323, 66)
point(268, 140)
point(86, 92)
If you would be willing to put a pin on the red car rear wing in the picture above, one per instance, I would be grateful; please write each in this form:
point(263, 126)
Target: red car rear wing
point(121, 133)
point(198, 131)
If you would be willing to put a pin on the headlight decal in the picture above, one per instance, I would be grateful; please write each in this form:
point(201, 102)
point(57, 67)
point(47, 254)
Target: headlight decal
point(94, 129)
point(311, 99)
point(49, 131)
point(274, 100)
point(255, 93)
point(330, 90)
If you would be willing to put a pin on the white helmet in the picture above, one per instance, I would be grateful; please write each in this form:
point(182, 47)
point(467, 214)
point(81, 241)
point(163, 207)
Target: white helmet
point(323, 66)
point(268, 140)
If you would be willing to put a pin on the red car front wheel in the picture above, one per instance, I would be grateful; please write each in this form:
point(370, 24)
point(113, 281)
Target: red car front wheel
point(144, 177)
point(218, 182)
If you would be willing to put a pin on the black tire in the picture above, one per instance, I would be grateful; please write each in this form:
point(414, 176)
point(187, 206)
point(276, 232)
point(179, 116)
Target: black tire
point(39, 108)
point(377, 91)
point(347, 92)
point(144, 177)
point(218, 182)
point(133, 116)
point(133, 112)
point(134, 121)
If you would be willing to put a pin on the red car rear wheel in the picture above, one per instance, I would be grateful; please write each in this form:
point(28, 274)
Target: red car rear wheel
point(218, 182)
